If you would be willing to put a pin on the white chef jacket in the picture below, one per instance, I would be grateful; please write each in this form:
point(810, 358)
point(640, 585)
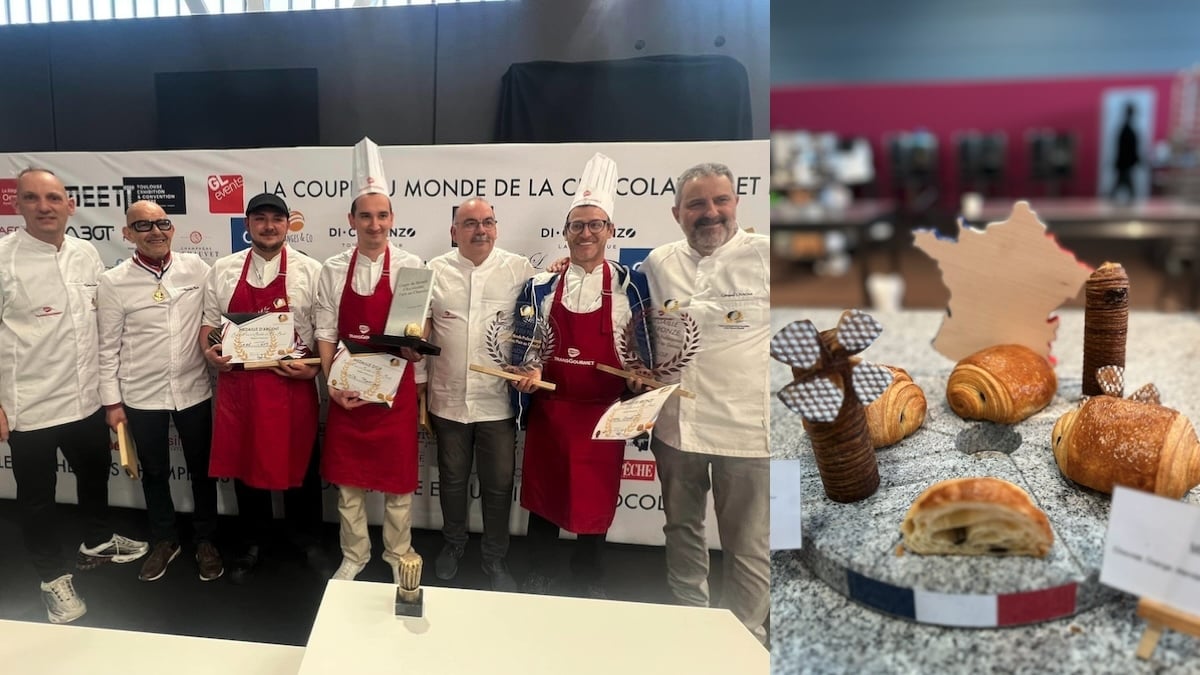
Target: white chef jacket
point(367, 273)
point(583, 294)
point(728, 294)
point(48, 357)
point(465, 299)
point(149, 356)
point(302, 275)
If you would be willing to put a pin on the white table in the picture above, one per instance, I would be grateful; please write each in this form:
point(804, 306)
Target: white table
point(474, 632)
point(43, 648)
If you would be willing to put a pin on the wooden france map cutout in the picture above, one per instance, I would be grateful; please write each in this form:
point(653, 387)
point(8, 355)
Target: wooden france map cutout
point(830, 391)
point(1004, 282)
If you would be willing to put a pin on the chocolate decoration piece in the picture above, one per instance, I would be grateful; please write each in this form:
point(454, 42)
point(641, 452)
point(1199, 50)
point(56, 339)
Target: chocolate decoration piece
point(1105, 324)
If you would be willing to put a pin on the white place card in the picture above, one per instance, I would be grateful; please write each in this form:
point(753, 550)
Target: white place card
point(785, 504)
point(1152, 549)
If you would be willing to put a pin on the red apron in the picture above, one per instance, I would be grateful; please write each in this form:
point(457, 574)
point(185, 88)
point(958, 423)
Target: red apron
point(566, 477)
point(265, 425)
point(373, 446)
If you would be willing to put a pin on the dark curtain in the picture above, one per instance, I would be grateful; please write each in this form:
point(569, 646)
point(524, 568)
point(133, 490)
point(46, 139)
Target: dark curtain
point(655, 98)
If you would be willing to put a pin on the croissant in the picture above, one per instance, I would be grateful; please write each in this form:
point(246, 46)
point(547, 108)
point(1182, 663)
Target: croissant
point(898, 412)
point(976, 516)
point(1110, 441)
point(1004, 384)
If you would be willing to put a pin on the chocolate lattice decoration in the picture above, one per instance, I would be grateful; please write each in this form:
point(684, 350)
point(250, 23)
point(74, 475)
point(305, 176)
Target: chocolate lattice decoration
point(832, 413)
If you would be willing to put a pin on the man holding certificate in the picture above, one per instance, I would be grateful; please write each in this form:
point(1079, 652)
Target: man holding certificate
point(471, 412)
point(568, 480)
point(371, 433)
point(152, 372)
point(265, 423)
point(49, 398)
point(719, 275)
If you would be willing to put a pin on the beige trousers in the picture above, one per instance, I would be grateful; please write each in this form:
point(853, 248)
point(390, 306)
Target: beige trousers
point(397, 526)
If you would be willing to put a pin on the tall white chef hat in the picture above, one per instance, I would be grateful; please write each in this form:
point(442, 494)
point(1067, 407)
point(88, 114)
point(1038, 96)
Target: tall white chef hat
point(598, 184)
point(368, 169)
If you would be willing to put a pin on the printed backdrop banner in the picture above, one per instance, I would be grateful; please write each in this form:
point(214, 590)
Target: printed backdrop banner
point(205, 192)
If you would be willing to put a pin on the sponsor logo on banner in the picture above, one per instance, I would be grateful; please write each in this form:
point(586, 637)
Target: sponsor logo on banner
point(226, 194)
point(194, 244)
point(169, 192)
point(640, 502)
point(296, 235)
point(91, 232)
point(638, 469)
point(8, 196)
point(98, 196)
point(239, 235)
point(633, 257)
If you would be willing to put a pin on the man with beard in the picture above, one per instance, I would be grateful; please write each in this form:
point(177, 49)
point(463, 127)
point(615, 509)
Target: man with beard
point(265, 424)
point(368, 444)
point(720, 276)
point(49, 393)
point(152, 372)
point(568, 480)
point(471, 413)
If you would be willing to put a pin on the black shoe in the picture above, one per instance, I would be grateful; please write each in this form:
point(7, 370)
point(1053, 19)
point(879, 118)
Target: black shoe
point(243, 566)
point(446, 565)
point(537, 584)
point(318, 561)
point(502, 580)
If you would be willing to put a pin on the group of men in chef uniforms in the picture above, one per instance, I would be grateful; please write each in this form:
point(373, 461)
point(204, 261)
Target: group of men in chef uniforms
point(84, 350)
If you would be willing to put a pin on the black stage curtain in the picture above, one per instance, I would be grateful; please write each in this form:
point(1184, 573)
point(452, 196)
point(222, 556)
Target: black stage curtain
point(655, 98)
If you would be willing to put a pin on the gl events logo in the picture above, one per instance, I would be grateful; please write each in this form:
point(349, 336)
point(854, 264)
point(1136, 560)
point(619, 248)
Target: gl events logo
point(226, 194)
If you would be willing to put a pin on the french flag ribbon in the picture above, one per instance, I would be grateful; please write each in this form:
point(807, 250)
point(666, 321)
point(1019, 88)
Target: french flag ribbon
point(963, 609)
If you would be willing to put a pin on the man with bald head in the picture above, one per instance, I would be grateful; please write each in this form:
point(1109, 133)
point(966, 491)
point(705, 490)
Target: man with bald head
point(152, 372)
point(49, 398)
point(472, 413)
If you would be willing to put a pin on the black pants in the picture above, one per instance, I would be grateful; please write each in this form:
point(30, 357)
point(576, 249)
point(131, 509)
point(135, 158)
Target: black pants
point(149, 431)
point(585, 556)
point(86, 446)
point(303, 510)
point(492, 447)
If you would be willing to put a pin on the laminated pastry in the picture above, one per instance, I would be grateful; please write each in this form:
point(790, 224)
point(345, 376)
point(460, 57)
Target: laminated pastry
point(976, 516)
point(1003, 384)
point(898, 412)
point(1110, 441)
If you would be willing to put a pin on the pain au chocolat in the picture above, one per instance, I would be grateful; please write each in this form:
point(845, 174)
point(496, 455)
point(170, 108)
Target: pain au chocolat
point(976, 516)
point(1003, 384)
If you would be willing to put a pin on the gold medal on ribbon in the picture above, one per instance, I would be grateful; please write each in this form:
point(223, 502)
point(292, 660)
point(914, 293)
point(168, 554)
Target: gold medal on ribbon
point(159, 294)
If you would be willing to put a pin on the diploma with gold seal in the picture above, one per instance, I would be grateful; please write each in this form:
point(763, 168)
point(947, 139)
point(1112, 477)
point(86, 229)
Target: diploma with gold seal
point(631, 418)
point(373, 374)
point(249, 338)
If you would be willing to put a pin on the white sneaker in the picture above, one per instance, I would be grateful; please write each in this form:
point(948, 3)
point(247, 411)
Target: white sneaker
point(347, 571)
point(63, 604)
point(118, 549)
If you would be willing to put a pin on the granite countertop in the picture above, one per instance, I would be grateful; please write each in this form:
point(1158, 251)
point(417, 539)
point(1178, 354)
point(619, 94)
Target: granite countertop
point(817, 629)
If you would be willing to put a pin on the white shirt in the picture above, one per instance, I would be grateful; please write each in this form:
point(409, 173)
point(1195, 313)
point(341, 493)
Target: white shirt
point(150, 358)
point(48, 359)
point(367, 273)
point(728, 294)
point(302, 275)
point(465, 299)
point(583, 294)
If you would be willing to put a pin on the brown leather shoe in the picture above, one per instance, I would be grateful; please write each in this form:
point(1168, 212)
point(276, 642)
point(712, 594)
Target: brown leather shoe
point(156, 563)
point(208, 559)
